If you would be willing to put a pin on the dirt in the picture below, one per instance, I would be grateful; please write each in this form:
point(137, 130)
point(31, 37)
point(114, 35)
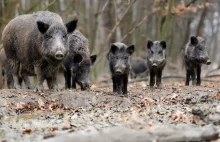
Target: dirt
point(142, 114)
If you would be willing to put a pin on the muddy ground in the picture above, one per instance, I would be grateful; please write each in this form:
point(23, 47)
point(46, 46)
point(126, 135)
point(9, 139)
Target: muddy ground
point(172, 113)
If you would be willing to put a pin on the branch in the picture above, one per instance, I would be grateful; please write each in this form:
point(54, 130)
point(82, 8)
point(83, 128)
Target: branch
point(115, 7)
point(103, 8)
point(193, 1)
point(119, 22)
point(163, 77)
point(112, 32)
point(49, 5)
point(135, 28)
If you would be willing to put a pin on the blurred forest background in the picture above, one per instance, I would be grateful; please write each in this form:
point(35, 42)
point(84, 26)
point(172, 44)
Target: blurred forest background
point(132, 22)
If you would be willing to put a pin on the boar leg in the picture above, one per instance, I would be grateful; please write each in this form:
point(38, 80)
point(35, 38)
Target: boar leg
point(159, 74)
point(73, 82)
point(187, 77)
point(40, 79)
point(114, 84)
point(9, 77)
point(16, 76)
point(20, 80)
point(67, 75)
point(119, 80)
point(27, 81)
point(54, 83)
point(49, 82)
point(193, 76)
point(125, 84)
point(152, 78)
point(198, 76)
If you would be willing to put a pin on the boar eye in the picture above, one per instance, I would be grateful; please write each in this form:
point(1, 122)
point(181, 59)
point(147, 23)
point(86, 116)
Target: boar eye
point(116, 57)
point(64, 36)
point(160, 52)
point(152, 52)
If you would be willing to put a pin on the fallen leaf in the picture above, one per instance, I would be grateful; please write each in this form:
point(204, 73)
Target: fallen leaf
point(41, 103)
point(27, 131)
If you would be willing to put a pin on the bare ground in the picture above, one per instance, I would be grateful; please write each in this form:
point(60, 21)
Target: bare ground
point(172, 113)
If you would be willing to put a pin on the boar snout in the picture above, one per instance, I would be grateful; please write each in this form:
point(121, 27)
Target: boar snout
point(205, 60)
point(85, 86)
point(208, 62)
point(154, 65)
point(59, 55)
point(119, 69)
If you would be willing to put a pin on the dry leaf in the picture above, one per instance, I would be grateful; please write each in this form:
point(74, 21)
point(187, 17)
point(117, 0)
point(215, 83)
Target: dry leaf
point(177, 116)
point(41, 103)
point(27, 131)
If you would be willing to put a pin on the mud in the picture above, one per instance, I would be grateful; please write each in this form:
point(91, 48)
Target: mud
point(172, 113)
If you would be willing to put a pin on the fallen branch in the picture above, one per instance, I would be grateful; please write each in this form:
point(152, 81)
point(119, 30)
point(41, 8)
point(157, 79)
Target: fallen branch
point(163, 77)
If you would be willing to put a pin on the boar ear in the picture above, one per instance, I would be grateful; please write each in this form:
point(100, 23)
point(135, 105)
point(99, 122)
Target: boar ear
point(114, 48)
point(71, 25)
point(93, 58)
point(193, 40)
point(77, 58)
point(130, 49)
point(149, 44)
point(163, 44)
point(42, 27)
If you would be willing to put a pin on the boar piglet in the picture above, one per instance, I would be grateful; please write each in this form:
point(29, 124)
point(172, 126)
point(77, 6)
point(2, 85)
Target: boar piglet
point(78, 62)
point(139, 67)
point(119, 58)
point(37, 41)
point(194, 55)
point(156, 60)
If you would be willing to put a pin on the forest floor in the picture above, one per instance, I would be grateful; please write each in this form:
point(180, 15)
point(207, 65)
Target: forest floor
point(173, 113)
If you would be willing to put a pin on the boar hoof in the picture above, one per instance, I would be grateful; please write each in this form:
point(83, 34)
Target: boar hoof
point(39, 88)
point(17, 86)
point(193, 83)
point(56, 88)
point(28, 87)
point(160, 85)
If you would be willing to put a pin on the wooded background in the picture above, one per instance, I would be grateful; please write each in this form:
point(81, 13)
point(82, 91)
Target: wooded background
point(132, 22)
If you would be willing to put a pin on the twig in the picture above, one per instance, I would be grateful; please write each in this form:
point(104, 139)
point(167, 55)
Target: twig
point(119, 22)
point(49, 5)
point(193, 1)
point(212, 76)
point(103, 8)
point(134, 29)
point(115, 7)
point(112, 32)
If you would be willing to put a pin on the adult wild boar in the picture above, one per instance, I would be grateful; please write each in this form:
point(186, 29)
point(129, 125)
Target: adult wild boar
point(37, 40)
point(156, 60)
point(194, 55)
point(78, 61)
point(119, 57)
